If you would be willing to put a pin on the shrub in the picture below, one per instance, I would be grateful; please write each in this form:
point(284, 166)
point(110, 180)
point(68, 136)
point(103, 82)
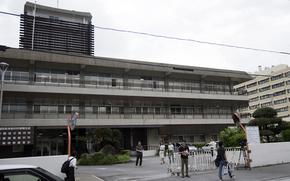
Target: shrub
point(286, 135)
point(100, 158)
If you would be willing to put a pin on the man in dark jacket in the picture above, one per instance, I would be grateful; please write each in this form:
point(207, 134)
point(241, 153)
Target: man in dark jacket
point(221, 156)
point(139, 153)
point(184, 153)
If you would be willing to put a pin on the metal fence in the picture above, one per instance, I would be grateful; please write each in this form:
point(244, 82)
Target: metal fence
point(202, 160)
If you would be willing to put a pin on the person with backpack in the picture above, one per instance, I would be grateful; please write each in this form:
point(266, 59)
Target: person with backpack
point(69, 167)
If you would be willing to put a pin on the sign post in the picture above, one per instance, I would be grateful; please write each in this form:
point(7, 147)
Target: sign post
point(237, 120)
point(71, 124)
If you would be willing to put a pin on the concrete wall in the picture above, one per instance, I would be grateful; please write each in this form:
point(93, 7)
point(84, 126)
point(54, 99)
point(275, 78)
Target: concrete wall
point(270, 153)
point(263, 154)
point(50, 163)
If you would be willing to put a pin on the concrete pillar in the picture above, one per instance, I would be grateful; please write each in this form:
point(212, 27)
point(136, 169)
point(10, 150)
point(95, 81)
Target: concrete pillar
point(31, 70)
point(82, 75)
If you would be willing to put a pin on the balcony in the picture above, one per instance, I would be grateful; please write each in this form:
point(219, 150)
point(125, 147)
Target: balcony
point(62, 83)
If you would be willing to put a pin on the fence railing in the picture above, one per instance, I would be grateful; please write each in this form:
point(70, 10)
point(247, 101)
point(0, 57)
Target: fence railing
point(202, 160)
point(109, 84)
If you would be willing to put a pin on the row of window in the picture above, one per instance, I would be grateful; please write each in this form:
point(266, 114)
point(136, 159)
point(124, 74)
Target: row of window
point(273, 78)
point(67, 109)
point(109, 81)
point(267, 104)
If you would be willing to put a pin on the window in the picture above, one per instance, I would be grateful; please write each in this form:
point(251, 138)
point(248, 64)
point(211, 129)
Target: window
point(202, 138)
point(263, 81)
point(266, 96)
point(279, 93)
point(154, 84)
point(283, 109)
point(281, 101)
point(281, 84)
point(68, 109)
point(252, 85)
point(145, 110)
point(264, 89)
point(138, 110)
point(108, 110)
point(252, 92)
point(266, 104)
point(254, 106)
point(60, 109)
point(121, 110)
point(22, 175)
point(276, 77)
point(254, 99)
point(95, 109)
point(157, 110)
point(36, 108)
point(114, 82)
point(287, 74)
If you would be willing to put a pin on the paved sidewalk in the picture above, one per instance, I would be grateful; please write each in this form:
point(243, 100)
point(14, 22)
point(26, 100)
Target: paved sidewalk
point(152, 170)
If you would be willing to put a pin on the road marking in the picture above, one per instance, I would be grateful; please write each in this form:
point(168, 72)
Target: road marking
point(97, 178)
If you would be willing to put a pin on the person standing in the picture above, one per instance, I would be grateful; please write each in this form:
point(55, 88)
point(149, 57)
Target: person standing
point(70, 175)
point(221, 156)
point(184, 153)
point(170, 153)
point(162, 153)
point(139, 153)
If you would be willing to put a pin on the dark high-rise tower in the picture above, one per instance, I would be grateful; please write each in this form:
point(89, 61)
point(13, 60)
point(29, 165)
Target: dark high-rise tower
point(55, 29)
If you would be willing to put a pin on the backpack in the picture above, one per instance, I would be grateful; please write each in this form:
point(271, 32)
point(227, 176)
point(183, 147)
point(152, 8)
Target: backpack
point(65, 166)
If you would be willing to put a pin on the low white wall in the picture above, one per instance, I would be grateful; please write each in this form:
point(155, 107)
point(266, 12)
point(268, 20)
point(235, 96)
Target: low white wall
point(263, 154)
point(50, 163)
point(270, 153)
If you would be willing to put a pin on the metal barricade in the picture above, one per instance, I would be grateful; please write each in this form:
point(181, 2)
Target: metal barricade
point(197, 161)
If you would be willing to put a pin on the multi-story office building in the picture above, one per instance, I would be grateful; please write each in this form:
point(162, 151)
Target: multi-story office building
point(271, 88)
point(54, 29)
point(146, 101)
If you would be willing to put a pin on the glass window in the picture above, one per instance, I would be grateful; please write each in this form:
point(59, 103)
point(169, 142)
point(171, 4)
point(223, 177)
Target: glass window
point(276, 77)
point(60, 109)
point(68, 109)
point(114, 82)
point(264, 81)
point(36, 108)
point(281, 84)
point(23, 175)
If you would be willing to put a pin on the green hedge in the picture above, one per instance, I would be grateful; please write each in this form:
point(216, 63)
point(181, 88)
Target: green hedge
point(100, 158)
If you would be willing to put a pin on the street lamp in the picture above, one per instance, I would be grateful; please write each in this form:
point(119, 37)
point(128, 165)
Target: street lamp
point(3, 67)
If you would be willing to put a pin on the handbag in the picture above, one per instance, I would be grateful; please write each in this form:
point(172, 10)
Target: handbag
point(217, 162)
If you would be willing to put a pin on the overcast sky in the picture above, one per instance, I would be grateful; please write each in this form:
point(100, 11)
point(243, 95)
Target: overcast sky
point(250, 23)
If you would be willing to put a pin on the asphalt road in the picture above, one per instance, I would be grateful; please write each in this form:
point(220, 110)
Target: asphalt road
point(153, 170)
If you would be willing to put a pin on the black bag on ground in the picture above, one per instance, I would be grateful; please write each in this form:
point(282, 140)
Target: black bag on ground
point(65, 166)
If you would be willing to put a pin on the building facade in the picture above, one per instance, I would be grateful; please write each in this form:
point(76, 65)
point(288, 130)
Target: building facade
point(145, 101)
point(56, 30)
point(271, 88)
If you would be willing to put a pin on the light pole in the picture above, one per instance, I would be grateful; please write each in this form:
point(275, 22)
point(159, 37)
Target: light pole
point(3, 67)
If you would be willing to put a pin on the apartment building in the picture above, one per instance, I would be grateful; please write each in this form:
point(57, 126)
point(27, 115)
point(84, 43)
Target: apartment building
point(54, 29)
point(146, 101)
point(270, 88)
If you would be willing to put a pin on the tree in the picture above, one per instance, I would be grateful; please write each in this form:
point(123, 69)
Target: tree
point(232, 137)
point(105, 138)
point(268, 122)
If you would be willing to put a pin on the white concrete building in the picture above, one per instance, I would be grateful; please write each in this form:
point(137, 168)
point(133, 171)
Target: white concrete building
point(270, 88)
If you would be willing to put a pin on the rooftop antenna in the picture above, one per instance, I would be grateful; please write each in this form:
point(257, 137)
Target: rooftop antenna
point(57, 3)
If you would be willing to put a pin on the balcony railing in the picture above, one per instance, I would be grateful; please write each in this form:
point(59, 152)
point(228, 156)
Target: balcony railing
point(25, 115)
point(112, 83)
